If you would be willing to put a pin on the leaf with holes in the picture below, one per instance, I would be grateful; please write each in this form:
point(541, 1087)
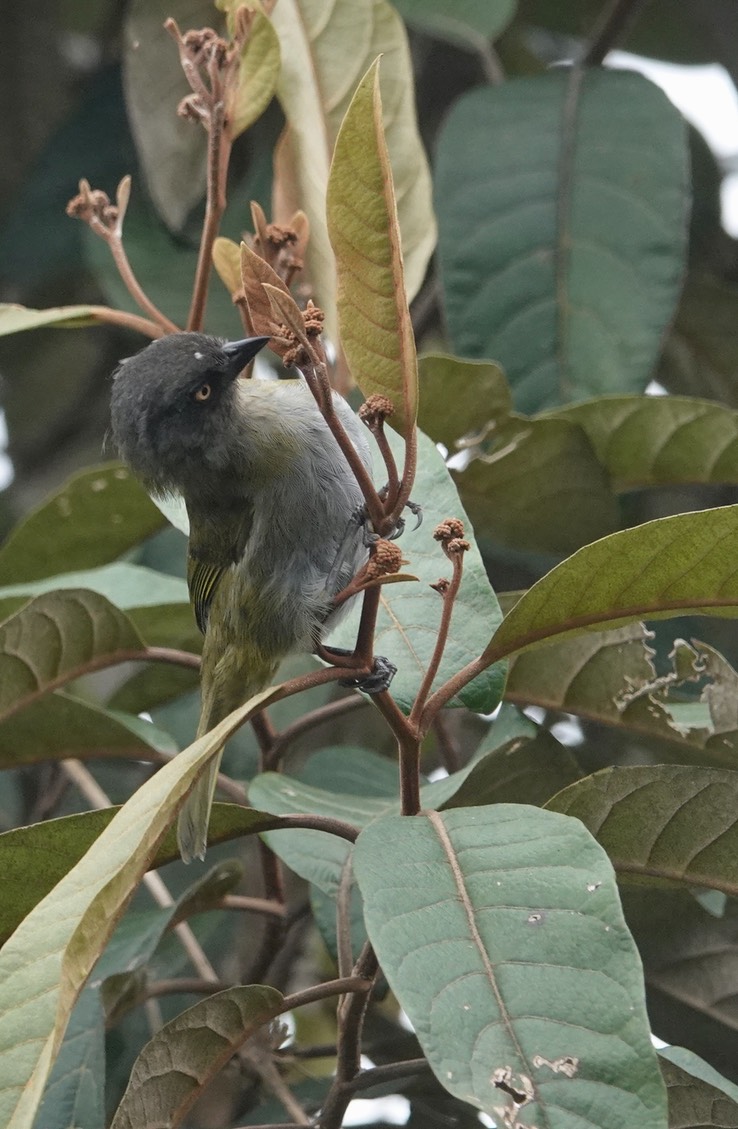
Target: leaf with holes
point(500, 932)
point(562, 205)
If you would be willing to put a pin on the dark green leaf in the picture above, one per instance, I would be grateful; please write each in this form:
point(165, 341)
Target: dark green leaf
point(95, 517)
point(562, 204)
point(667, 823)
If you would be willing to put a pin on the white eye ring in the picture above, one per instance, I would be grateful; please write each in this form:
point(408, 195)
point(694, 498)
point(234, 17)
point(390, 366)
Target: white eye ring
point(203, 393)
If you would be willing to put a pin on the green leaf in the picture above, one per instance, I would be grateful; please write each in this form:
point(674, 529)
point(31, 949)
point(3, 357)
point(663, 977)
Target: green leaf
point(171, 151)
point(376, 331)
point(96, 516)
point(74, 1096)
point(470, 23)
point(656, 440)
point(158, 605)
point(666, 823)
point(259, 72)
point(409, 614)
point(519, 921)
point(184, 1056)
point(698, 1068)
point(693, 1102)
point(673, 566)
point(530, 483)
point(562, 204)
point(59, 725)
point(700, 354)
point(45, 963)
point(34, 859)
point(16, 319)
point(520, 772)
point(324, 55)
point(459, 399)
point(55, 638)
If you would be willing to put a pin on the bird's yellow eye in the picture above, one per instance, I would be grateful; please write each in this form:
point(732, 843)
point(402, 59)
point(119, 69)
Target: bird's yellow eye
point(203, 392)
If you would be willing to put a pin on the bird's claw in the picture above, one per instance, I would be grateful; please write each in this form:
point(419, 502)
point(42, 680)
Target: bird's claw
point(377, 681)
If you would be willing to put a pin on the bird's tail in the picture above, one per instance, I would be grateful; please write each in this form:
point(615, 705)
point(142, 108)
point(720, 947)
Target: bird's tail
point(192, 825)
point(231, 684)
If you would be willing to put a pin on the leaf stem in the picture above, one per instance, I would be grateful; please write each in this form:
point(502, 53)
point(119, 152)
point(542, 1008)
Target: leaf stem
point(611, 26)
point(138, 324)
point(351, 1012)
point(219, 152)
point(449, 598)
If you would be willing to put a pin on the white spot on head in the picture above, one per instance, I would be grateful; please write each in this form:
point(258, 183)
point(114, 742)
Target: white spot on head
point(198, 356)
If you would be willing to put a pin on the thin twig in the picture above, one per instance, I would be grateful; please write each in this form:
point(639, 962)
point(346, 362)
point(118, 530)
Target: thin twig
point(186, 986)
point(388, 1072)
point(449, 595)
point(126, 321)
point(219, 150)
point(312, 720)
point(125, 270)
point(252, 905)
point(351, 1012)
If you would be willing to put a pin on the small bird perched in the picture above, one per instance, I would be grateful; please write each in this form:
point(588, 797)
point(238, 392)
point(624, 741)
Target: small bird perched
point(272, 507)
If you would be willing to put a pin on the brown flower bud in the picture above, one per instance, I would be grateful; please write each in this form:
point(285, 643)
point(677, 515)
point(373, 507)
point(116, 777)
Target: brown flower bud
point(375, 410)
point(449, 529)
point(386, 558)
point(441, 586)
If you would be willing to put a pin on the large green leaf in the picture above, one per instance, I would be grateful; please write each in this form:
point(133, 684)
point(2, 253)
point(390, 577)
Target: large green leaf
point(562, 204)
point(656, 440)
point(54, 726)
point(493, 925)
point(409, 613)
point(55, 638)
point(45, 963)
point(692, 1064)
point(667, 823)
point(96, 516)
point(672, 566)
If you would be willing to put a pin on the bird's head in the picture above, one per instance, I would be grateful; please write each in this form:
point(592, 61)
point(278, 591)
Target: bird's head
point(172, 409)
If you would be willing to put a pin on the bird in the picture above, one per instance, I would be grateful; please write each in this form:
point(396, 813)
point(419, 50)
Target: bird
point(272, 506)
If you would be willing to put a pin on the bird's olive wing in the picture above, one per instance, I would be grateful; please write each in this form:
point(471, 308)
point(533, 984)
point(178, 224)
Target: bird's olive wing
point(202, 580)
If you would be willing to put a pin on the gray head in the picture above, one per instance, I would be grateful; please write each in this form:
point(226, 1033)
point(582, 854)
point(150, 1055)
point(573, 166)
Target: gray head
point(172, 408)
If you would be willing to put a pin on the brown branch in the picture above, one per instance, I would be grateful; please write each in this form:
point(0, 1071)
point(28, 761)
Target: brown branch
point(138, 324)
point(219, 151)
point(320, 716)
point(351, 1012)
point(252, 905)
point(448, 594)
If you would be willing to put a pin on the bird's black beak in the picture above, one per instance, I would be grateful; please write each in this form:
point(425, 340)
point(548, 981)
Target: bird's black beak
point(239, 353)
